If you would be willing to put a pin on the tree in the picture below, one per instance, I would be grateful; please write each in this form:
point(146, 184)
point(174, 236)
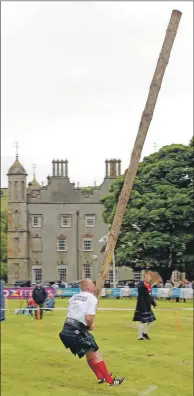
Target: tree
point(158, 226)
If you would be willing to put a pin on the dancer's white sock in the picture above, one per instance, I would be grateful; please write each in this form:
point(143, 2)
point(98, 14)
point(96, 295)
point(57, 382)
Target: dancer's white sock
point(140, 330)
point(147, 327)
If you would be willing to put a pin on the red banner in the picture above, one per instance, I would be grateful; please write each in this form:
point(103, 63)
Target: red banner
point(23, 292)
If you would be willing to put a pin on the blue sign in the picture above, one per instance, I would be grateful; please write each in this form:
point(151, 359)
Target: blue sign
point(154, 292)
point(132, 292)
point(2, 306)
point(66, 292)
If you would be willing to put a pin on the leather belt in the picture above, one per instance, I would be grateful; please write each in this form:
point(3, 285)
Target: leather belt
point(75, 323)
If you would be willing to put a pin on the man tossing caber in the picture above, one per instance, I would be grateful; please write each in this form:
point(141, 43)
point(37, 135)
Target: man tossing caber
point(75, 334)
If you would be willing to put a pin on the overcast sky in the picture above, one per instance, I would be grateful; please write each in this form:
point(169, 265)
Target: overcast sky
point(75, 78)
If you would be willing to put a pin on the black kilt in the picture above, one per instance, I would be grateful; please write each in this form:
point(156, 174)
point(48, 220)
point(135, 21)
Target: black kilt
point(78, 341)
point(144, 317)
point(143, 312)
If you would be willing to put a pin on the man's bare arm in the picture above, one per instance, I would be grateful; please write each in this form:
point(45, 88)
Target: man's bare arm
point(90, 321)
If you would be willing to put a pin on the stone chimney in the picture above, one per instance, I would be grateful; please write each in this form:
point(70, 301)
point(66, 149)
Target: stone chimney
point(60, 168)
point(112, 168)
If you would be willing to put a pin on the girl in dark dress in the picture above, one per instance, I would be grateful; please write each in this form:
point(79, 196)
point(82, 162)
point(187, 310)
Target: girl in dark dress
point(143, 313)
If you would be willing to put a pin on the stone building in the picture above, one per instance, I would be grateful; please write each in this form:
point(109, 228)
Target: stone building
point(54, 230)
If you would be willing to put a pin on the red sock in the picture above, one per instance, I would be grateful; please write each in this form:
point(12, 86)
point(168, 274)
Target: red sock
point(94, 368)
point(105, 374)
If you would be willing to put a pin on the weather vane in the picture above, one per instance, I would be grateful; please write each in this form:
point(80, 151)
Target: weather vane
point(34, 168)
point(16, 145)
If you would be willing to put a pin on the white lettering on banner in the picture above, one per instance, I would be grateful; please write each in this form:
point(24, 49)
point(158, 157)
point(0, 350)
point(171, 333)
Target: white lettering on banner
point(103, 293)
point(164, 293)
point(125, 292)
point(186, 293)
point(26, 293)
point(23, 293)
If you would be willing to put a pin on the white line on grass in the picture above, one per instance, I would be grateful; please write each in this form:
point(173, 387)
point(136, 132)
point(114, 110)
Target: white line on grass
point(101, 309)
point(148, 391)
point(158, 309)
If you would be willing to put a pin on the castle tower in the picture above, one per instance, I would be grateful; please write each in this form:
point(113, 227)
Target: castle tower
point(17, 241)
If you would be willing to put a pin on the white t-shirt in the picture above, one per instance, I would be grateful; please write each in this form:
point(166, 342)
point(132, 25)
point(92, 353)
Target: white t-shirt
point(80, 305)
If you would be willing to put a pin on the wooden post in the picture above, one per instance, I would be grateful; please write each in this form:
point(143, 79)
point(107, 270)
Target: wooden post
point(138, 146)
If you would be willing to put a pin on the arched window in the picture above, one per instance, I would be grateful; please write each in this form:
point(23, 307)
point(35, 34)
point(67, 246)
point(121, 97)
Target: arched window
point(10, 192)
point(16, 190)
point(22, 192)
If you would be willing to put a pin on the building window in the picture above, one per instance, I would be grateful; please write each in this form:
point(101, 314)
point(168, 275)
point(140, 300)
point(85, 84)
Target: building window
point(66, 220)
point(23, 191)
point(36, 221)
point(90, 221)
point(17, 219)
point(37, 275)
point(62, 274)
point(16, 272)
point(16, 190)
point(87, 245)
point(61, 244)
point(17, 245)
point(10, 191)
point(87, 271)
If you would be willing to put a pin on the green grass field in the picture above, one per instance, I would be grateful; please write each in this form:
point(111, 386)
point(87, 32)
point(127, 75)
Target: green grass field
point(35, 363)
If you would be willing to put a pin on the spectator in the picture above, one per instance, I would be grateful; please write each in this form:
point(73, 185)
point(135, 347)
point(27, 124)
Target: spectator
point(168, 285)
point(176, 283)
point(31, 305)
point(179, 285)
point(55, 285)
point(50, 303)
point(63, 285)
point(39, 295)
point(186, 283)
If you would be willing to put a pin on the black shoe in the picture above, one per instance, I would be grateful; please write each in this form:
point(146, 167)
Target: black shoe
point(140, 339)
point(102, 381)
point(146, 336)
point(117, 381)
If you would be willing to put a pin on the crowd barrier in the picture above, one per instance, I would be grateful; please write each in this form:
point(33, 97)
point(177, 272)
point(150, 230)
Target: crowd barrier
point(132, 292)
point(26, 292)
